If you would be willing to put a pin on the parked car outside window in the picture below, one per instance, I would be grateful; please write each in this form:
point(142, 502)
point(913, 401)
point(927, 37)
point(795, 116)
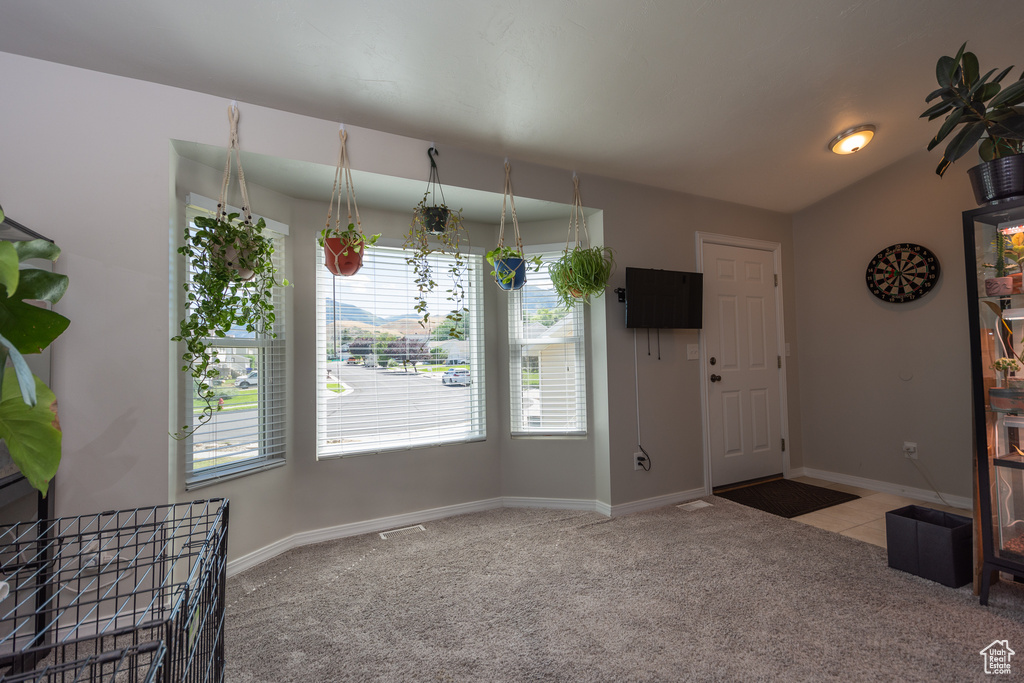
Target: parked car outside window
point(245, 381)
point(456, 376)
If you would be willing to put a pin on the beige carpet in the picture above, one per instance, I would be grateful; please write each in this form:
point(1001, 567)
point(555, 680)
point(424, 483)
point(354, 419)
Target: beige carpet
point(723, 593)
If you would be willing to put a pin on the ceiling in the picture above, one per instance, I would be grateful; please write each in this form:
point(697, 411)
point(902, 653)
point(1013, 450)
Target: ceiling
point(305, 180)
point(733, 100)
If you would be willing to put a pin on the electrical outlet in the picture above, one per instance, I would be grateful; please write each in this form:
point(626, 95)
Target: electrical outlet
point(910, 450)
point(638, 458)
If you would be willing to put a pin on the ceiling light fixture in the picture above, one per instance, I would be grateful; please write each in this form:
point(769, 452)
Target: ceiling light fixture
point(849, 141)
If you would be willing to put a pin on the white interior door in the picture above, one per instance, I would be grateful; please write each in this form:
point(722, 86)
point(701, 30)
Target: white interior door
point(742, 377)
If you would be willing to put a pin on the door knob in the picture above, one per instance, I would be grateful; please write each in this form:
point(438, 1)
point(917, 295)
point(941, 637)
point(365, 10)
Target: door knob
point(716, 378)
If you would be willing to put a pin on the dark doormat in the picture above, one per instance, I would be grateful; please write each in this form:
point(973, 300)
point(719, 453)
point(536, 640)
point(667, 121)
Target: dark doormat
point(786, 498)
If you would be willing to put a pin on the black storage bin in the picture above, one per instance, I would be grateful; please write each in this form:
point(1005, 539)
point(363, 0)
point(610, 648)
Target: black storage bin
point(931, 544)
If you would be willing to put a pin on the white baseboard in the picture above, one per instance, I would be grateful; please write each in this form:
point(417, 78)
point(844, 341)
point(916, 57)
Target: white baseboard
point(551, 503)
point(356, 529)
point(656, 502)
point(884, 487)
point(412, 518)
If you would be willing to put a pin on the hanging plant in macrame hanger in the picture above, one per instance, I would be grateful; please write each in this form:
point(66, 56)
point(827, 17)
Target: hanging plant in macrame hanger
point(344, 249)
point(231, 275)
point(437, 229)
point(510, 263)
point(581, 272)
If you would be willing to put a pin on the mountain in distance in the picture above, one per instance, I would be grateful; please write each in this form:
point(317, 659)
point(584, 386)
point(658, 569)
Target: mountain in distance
point(537, 298)
point(343, 312)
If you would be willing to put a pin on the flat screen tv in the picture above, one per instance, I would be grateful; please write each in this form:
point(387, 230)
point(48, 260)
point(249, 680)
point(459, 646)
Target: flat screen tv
point(664, 299)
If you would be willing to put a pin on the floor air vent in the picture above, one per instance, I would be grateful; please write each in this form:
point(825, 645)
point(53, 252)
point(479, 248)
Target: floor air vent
point(695, 505)
point(402, 532)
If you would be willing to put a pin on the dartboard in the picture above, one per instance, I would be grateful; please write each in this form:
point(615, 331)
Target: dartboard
point(902, 272)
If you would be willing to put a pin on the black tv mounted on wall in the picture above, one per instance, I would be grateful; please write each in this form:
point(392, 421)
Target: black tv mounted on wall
point(664, 299)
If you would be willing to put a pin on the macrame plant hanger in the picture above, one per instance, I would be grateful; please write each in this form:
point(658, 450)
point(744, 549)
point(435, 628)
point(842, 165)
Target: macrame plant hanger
point(244, 273)
point(343, 177)
point(576, 216)
point(509, 198)
point(436, 216)
point(434, 179)
point(343, 248)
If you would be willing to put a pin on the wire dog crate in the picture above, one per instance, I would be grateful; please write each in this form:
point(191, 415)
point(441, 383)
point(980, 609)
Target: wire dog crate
point(136, 664)
point(94, 587)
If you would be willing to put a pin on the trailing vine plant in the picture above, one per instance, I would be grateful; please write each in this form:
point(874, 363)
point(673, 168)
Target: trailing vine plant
point(230, 287)
point(436, 228)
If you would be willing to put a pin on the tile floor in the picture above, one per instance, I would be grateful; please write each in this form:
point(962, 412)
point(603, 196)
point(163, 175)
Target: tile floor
point(864, 518)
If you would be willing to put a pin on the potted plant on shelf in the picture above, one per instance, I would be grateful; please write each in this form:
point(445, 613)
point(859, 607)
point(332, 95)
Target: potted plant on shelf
point(1008, 394)
point(986, 114)
point(581, 272)
point(510, 263)
point(344, 249)
point(1013, 249)
point(1004, 366)
point(28, 408)
point(230, 283)
point(1001, 284)
point(437, 229)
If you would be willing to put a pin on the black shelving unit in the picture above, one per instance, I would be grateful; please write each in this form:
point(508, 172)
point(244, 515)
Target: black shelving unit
point(996, 320)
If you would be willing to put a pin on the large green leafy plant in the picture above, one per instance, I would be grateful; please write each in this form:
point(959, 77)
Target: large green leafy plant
point(232, 276)
point(28, 409)
point(984, 111)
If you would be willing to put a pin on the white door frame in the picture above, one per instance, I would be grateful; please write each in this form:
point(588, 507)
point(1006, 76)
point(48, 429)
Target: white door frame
point(775, 248)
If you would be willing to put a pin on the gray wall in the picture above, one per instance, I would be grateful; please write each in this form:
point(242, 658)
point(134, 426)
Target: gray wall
point(876, 374)
point(86, 160)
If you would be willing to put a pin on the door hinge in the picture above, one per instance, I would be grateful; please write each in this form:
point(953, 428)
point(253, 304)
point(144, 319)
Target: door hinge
point(780, 362)
point(776, 279)
point(783, 445)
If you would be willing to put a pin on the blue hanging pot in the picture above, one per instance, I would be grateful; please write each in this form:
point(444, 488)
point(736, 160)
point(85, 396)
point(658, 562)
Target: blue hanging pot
point(510, 273)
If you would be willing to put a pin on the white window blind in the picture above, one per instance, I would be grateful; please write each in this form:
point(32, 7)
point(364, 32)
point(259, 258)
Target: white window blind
point(248, 432)
point(381, 377)
point(547, 361)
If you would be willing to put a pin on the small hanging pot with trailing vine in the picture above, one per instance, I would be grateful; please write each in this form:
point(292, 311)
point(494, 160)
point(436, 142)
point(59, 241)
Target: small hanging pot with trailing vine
point(581, 272)
point(436, 228)
point(510, 263)
point(344, 249)
point(232, 276)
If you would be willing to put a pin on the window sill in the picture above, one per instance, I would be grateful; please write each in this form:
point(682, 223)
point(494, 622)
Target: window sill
point(227, 474)
point(574, 436)
point(398, 448)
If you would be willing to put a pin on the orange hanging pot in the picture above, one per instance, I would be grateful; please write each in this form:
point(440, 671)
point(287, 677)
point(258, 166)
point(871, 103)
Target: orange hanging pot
point(343, 256)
